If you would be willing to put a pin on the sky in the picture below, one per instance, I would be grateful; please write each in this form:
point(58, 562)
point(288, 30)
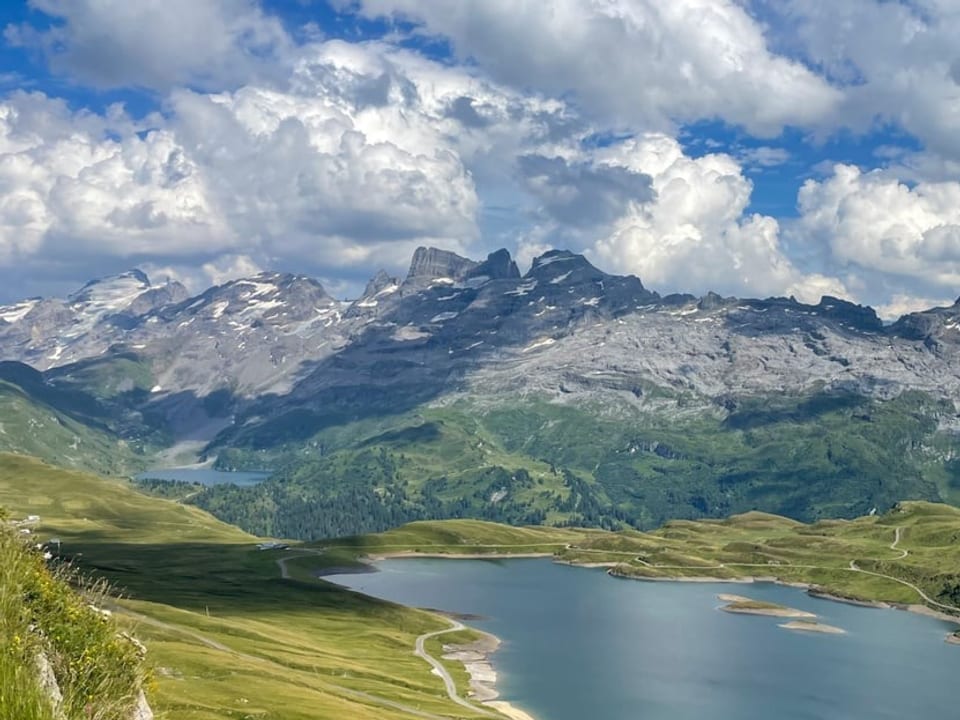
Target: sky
point(750, 147)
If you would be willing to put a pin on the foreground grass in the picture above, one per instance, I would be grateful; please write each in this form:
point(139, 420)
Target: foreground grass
point(227, 637)
point(20, 693)
point(52, 614)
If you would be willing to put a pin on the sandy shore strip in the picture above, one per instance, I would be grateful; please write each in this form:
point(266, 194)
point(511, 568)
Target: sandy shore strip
point(814, 627)
point(728, 598)
point(475, 658)
point(344, 570)
point(748, 606)
point(878, 604)
point(929, 612)
point(509, 710)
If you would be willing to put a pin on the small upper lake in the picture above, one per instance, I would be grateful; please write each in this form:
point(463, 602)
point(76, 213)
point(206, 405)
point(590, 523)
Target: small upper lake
point(205, 476)
point(578, 644)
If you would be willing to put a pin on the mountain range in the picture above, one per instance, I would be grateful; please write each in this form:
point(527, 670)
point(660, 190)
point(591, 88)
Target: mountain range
point(563, 395)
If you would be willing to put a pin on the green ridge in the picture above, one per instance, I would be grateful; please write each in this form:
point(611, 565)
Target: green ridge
point(808, 457)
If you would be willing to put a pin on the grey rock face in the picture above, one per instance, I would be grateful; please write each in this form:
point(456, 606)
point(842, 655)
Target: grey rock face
point(432, 264)
point(566, 330)
point(142, 711)
point(49, 685)
point(50, 332)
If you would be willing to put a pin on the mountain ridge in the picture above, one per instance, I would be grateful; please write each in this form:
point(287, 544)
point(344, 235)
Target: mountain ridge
point(429, 396)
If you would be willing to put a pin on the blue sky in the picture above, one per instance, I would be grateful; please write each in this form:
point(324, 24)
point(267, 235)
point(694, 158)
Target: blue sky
point(753, 148)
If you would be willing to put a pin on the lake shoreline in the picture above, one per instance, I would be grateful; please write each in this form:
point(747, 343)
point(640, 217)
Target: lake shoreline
point(483, 682)
point(812, 590)
point(406, 554)
point(475, 658)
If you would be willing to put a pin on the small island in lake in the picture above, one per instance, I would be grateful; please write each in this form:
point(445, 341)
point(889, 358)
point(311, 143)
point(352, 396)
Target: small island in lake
point(810, 626)
point(954, 638)
point(749, 606)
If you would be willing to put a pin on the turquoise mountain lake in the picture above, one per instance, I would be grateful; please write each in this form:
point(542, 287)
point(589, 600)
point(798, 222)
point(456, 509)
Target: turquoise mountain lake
point(205, 476)
point(578, 644)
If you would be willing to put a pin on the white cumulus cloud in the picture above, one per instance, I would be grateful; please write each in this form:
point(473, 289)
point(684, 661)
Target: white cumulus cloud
point(895, 62)
point(874, 222)
point(636, 63)
point(695, 233)
point(156, 44)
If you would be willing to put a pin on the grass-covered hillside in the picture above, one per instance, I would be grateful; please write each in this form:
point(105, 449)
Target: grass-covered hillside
point(67, 425)
point(227, 636)
point(806, 457)
point(61, 656)
point(909, 555)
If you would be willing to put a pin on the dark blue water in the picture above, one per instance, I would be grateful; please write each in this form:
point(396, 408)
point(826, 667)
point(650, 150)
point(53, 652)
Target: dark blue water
point(581, 645)
point(205, 476)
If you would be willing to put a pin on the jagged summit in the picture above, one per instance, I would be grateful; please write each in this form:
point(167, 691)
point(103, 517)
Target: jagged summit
point(113, 288)
point(499, 265)
point(563, 265)
point(263, 333)
point(379, 283)
point(860, 316)
point(435, 264)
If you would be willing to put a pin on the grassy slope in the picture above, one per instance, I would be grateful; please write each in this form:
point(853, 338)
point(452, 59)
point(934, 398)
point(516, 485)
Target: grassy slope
point(49, 610)
point(63, 423)
point(20, 693)
point(807, 457)
point(228, 637)
point(755, 544)
point(748, 545)
point(35, 428)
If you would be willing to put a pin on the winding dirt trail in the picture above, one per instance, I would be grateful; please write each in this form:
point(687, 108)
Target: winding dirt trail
point(282, 562)
point(438, 668)
point(896, 541)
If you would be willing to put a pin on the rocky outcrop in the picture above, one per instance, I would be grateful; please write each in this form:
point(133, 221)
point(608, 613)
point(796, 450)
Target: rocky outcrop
point(378, 283)
point(142, 710)
point(49, 685)
point(498, 266)
point(431, 264)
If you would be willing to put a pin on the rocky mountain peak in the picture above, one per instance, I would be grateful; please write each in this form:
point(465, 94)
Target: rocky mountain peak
point(712, 301)
point(561, 265)
point(156, 297)
point(378, 283)
point(859, 316)
point(498, 266)
point(113, 290)
point(433, 264)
